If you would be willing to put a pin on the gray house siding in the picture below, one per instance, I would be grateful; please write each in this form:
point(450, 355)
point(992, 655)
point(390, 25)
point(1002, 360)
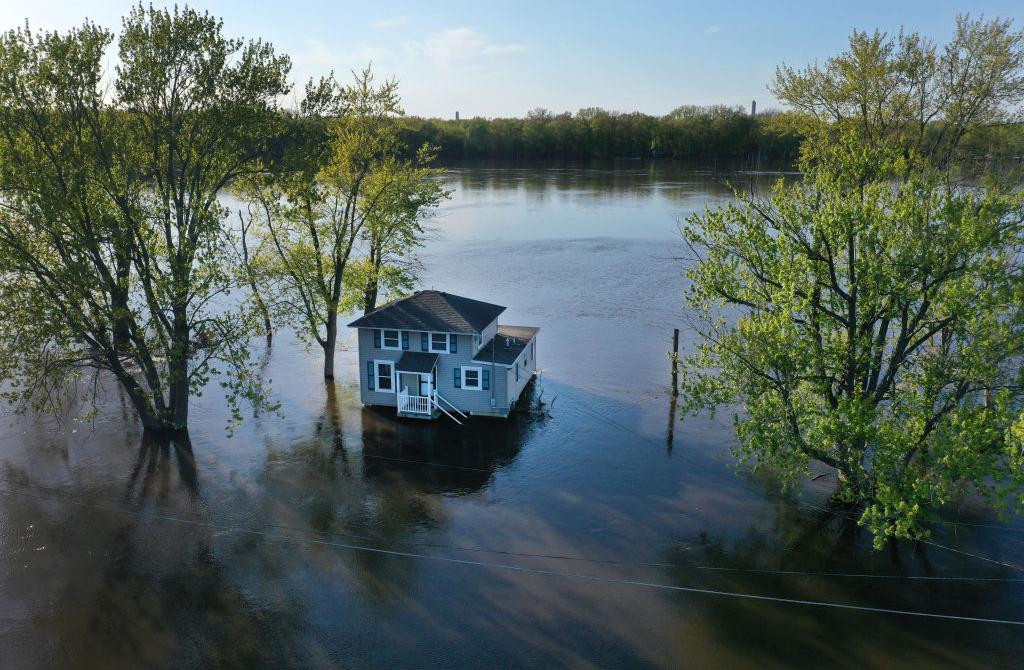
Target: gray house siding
point(367, 353)
point(527, 363)
point(469, 401)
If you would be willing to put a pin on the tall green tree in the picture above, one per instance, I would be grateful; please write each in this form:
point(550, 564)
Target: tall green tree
point(903, 89)
point(321, 204)
point(868, 318)
point(395, 228)
point(111, 243)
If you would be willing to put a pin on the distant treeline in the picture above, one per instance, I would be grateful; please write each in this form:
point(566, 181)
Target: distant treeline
point(689, 132)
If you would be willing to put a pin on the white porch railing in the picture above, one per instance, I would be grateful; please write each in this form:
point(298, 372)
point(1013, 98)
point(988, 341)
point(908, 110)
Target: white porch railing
point(414, 404)
point(438, 399)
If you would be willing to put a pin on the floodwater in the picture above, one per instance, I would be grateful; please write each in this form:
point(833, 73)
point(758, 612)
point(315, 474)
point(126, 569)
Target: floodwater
point(333, 536)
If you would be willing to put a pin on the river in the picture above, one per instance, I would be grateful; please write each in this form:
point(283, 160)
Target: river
point(332, 536)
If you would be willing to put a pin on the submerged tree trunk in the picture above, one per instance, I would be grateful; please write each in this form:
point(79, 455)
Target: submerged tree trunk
point(262, 307)
point(178, 382)
point(121, 335)
point(264, 312)
point(121, 331)
point(151, 414)
point(250, 276)
point(270, 331)
point(329, 343)
point(179, 402)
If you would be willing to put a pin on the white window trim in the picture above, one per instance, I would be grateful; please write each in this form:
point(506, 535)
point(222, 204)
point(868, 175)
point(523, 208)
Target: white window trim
point(376, 375)
point(447, 343)
point(479, 378)
point(385, 346)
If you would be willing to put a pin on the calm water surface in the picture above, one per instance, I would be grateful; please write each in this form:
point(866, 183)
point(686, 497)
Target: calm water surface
point(335, 536)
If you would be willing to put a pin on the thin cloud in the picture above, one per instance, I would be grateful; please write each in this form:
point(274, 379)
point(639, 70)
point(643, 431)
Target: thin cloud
point(499, 49)
point(316, 53)
point(391, 22)
point(711, 30)
point(461, 46)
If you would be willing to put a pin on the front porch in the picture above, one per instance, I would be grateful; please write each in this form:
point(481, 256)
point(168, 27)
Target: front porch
point(416, 406)
point(417, 396)
point(416, 373)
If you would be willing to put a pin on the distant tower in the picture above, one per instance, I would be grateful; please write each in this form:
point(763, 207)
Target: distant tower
point(753, 108)
point(456, 115)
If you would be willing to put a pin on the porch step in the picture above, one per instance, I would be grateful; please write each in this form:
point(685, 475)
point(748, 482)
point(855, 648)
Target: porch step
point(438, 399)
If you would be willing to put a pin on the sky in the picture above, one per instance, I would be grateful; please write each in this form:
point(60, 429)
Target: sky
point(497, 58)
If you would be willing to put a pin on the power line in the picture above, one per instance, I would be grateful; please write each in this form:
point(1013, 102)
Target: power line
point(860, 575)
point(969, 554)
point(554, 573)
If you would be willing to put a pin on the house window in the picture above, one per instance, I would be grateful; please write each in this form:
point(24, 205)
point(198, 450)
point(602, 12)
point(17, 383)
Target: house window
point(385, 376)
point(439, 343)
point(391, 339)
point(471, 378)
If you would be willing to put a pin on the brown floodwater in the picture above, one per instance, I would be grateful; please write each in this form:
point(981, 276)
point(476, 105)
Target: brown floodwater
point(333, 536)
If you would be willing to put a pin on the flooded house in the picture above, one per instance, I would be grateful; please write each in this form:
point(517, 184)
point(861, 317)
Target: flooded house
point(434, 353)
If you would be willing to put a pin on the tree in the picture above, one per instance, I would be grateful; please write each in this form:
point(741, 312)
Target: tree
point(872, 324)
point(250, 268)
point(902, 90)
point(111, 243)
point(394, 227)
point(320, 203)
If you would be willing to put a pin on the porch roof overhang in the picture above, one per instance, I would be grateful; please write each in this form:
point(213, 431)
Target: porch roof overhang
point(416, 361)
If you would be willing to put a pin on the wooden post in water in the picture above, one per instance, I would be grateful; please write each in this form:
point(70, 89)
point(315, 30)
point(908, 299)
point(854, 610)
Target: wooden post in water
point(675, 389)
point(675, 362)
point(671, 423)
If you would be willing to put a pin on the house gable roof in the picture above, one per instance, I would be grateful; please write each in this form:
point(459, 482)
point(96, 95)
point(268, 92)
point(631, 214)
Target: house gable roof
point(434, 311)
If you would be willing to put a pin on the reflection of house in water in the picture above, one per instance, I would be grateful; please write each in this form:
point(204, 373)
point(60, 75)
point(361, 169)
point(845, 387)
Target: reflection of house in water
point(440, 457)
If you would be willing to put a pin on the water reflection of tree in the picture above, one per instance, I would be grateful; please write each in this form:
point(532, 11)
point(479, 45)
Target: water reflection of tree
point(801, 539)
point(362, 476)
point(142, 580)
point(152, 468)
point(671, 182)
